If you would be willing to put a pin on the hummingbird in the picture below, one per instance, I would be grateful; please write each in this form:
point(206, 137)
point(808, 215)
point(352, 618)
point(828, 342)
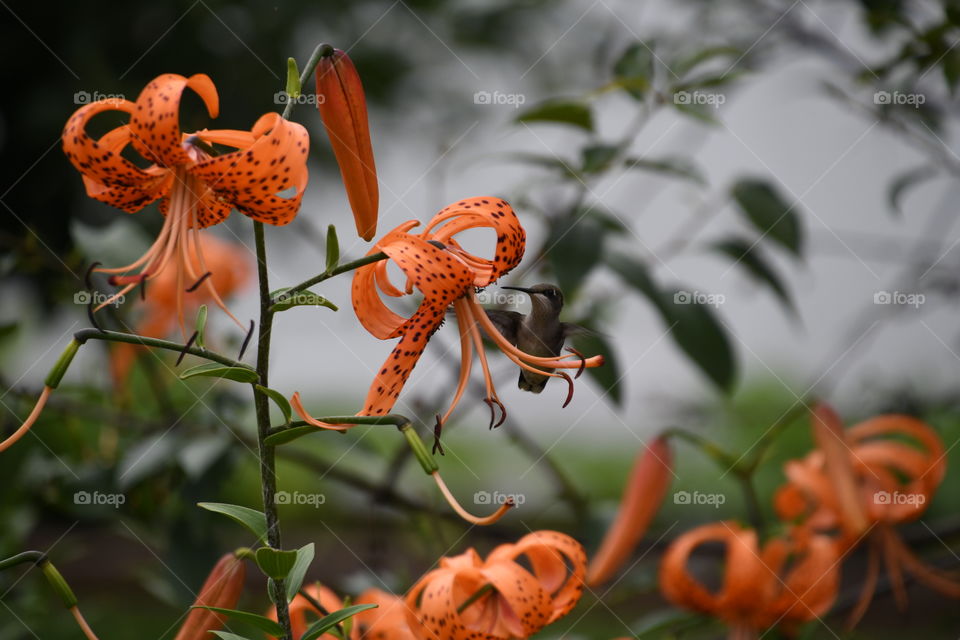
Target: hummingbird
point(540, 333)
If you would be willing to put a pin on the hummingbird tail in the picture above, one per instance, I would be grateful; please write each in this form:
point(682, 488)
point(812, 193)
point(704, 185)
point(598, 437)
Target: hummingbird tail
point(535, 386)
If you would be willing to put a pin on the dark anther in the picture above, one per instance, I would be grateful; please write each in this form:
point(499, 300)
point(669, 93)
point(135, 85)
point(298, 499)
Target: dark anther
point(437, 428)
point(183, 352)
point(195, 141)
point(246, 341)
point(569, 390)
point(196, 284)
point(86, 277)
point(143, 290)
point(437, 244)
point(583, 361)
point(494, 423)
point(92, 316)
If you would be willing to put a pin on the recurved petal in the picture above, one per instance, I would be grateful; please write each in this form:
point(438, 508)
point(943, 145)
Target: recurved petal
point(155, 124)
point(525, 606)
point(343, 109)
point(251, 179)
point(810, 587)
point(829, 435)
point(482, 212)
point(387, 622)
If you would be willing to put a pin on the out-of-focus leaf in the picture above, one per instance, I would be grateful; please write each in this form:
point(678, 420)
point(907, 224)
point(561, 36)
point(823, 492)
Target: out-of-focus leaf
point(226, 635)
point(609, 375)
point(608, 219)
point(146, 457)
point(685, 65)
point(950, 65)
point(677, 167)
point(667, 624)
point(573, 249)
point(544, 161)
point(253, 619)
point(766, 210)
point(275, 563)
point(692, 326)
point(217, 370)
point(904, 182)
point(597, 157)
point(279, 399)
point(326, 623)
point(199, 453)
point(748, 255)
point(299, 570)
point(634, 70)
point(7, 330)
point(567, 112)
point(703, 113)
point(253, 520)
point(286, 300)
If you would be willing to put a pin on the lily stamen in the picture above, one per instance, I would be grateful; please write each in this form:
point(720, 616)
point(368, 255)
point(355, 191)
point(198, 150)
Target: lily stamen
point(28, 423)
point(463, 513)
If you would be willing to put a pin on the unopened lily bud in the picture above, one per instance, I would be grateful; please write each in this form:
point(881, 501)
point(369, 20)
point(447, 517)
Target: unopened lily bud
point(222, 589)
point(343, 109)
point(644, 491)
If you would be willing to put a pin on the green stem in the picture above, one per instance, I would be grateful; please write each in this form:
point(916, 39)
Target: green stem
point(268, 470)
point(343, 268)
point(115, 336)
point(721, 457)
point(763, 443)
point(391, 418)
point(479, 593)
point(321, 51)
point(754, 510)
point(36, 557)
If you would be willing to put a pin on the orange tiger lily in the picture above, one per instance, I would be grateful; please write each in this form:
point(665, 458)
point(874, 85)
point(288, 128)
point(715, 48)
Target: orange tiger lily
point(468, 597)
point(386, 622)
point(873, 478)
point(222, 589)
point(195, 188)
point(445, 273)
point(758, 590)
point(230, 270)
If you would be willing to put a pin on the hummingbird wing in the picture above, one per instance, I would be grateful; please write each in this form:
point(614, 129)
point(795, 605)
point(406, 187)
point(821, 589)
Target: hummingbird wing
point(506, 322)
point(570, 330)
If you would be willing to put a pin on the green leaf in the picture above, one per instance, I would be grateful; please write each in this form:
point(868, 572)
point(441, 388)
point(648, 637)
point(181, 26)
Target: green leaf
point(201, 325)
point(545, 161)
point(748, 255)
point(904, 182)
point(598, 157)
point(333, 248)
point(295, 576)
point(286, 301)
point(693, 327)
point(684, 65)
point(326, 623)
point(574, 247)
point(253, 619)
point(568, 112)
point(676, 167)
point(702, 112)
point(279, 399)
point(667, 624)
point(289, 435)
point(769, 213)
point(252, 519)
point(217, 370)
point(608, 377)
point(226, 635)
point(275, 563)
point(8, 329)
point(634, 70)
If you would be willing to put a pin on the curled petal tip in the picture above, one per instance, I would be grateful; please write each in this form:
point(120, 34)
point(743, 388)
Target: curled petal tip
point(297, 405)
point(463, 513)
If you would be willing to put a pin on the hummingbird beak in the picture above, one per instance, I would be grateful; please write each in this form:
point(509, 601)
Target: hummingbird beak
point(524, 290)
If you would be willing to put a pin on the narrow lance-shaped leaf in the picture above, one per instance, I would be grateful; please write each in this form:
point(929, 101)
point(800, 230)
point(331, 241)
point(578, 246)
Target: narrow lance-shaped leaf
point(217, 370)
point(253, 619)
point(326, 623)
point(567, 112)
point(747, 255)
point(634, 69)
point(253, 520)
point(295, 577)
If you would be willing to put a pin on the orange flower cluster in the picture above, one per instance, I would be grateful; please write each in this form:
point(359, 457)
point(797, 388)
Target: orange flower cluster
point(853, 488)
point(196, 187)
point(446, 274)
point(386, 622)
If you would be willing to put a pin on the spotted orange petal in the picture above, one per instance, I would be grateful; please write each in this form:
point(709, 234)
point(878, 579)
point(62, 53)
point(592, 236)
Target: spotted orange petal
point(252, 178)
point(155, 124)
point(387, 622)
